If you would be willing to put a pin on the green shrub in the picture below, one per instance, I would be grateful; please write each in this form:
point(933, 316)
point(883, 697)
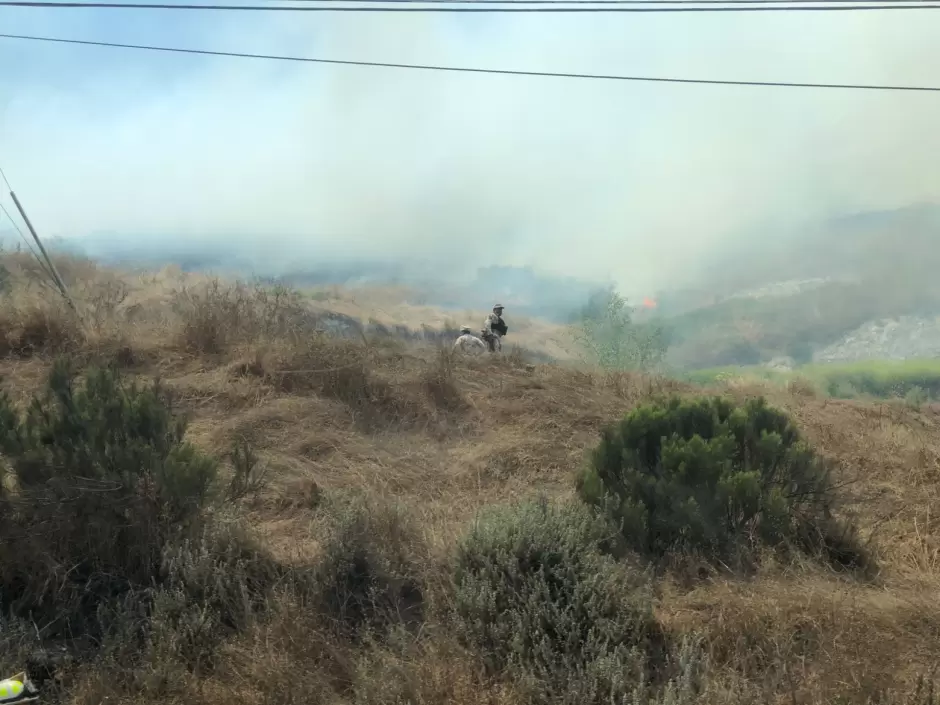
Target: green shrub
point(607, 332)
point(545, 606)
point(211, 586)
point(366, 579)
point(248, 473)
point(99, 481)
point(916, 397)
point(710, 477)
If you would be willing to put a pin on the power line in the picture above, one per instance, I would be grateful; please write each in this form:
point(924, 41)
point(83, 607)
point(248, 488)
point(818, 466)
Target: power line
point(16, 226)
point(466, 69)
point(638, 3)
point(45, 262)
point(607, 2)
point(488, 9)
point(22, 235)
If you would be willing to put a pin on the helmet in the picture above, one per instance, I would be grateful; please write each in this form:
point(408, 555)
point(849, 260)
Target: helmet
point(498, 307)
point(465, 329)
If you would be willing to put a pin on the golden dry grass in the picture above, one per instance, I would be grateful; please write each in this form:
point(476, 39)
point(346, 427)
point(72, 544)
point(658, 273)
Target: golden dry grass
point(442, 438)
point(399, 306)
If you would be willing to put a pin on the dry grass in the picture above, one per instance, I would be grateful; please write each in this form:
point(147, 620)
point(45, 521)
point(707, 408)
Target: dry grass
point(439, 438)
point(36, 326)
point(396, 306)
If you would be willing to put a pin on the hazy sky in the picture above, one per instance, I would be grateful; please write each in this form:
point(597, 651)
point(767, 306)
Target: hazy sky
point(600, 179)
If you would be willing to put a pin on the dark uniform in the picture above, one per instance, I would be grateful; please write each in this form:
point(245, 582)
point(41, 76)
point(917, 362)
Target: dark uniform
point(494, 328)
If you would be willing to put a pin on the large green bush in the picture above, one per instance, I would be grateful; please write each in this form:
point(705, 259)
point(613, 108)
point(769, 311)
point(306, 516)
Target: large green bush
point(708, 476)
point(97, 481)
point(545, 606)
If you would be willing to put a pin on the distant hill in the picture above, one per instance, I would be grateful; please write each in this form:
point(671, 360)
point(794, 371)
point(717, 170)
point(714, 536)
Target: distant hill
point(522, 290)
point(773, 292)
point(859, 246)
point(796, 293)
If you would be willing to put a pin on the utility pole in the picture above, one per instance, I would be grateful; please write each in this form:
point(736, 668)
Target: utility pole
point(55, 273)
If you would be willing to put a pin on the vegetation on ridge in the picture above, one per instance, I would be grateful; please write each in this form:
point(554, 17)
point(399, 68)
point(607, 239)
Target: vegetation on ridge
point(395, 551)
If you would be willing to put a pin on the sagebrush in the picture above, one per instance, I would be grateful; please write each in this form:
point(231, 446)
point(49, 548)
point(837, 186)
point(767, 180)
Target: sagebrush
point(546, 607)
point(367, 579)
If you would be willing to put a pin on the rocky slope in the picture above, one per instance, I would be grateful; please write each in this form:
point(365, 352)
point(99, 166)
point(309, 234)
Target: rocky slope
point(903, 338)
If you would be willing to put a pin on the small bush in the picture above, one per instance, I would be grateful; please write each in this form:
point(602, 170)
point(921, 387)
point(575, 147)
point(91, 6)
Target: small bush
point(366, 579)
point(101, 301)
point(801, 386)
point(37, 326)
point(338, 369)
point(248, 473)
point(211, 586)
point(439, 383)
point(713, 478)
point(544, 606)
point(100, 480)
point(210, 317)
point(344, 370)
point(916, 397)
point(613, 340)
point(217, 315)
point(224, 569)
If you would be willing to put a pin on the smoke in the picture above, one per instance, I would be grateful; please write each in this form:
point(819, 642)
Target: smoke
point(634, 182)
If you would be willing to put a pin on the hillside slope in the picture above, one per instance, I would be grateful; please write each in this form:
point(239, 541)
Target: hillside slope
point(856, 245)
point(443, 438)
point(851, 272)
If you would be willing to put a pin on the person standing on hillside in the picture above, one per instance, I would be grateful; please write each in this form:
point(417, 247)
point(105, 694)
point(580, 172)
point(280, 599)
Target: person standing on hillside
point(494, 328)
point(469, 343)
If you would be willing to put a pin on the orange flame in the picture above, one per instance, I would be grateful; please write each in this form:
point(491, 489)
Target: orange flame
point(648, 302)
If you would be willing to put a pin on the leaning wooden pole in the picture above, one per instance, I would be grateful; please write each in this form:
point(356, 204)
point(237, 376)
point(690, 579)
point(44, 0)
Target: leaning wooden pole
point(55, 273)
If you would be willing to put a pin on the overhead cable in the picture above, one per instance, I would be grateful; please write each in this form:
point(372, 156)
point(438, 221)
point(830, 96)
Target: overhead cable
point(758, 7)
point(638, 3)
point(467, 69)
